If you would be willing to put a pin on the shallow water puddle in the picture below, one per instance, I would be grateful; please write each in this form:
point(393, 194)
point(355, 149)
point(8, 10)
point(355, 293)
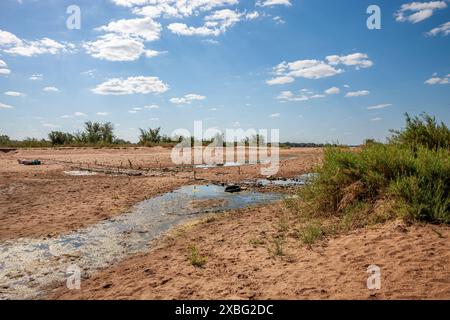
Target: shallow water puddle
point(27, 266)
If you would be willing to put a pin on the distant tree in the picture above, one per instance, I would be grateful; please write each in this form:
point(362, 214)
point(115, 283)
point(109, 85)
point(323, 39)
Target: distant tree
point(166, 139)
point(95, 132)
point(107, 131)
point(92, 132)
point(150, 136)
point(60, 138)
point(121, 141)
point(257, 139)
point(4, 140)
point(80, 137)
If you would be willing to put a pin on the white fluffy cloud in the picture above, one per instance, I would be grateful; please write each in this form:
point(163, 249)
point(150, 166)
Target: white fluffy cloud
point(173, 8)
point(11, 44)
point(278, 20)
point(438, 80)
point(4, 68)
point(275, 115)
point(14, 94)
point(333, 90)
point(36, 77)
point(5, 106)
point(131, 85)
point(8, 39)
point(280, 80)
point(153, 106)
point(359, 93)
point(145, 28)
point(223, 19)
point(183, 29)
point(114, 47)
point(51, 89)
point(443, 29)
point(252, 15)
point(304, 95)
point(215, 24)
point(285, 72)
point(124, 40)
point(379, 106)
point(418, 11)
point(309, 69)
point(358, 60)
point(188, 99)
point(102, 114)
point(270, 3)
point(89, 73)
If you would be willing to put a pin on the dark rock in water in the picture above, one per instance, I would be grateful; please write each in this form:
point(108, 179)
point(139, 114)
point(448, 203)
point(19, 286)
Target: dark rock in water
point(233, 189)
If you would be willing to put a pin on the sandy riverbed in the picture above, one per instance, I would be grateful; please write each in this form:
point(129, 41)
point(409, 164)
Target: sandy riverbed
point(43, 202)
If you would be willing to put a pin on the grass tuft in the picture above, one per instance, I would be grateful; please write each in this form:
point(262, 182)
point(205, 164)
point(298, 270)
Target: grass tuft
point(195, 258)
point(311, 233)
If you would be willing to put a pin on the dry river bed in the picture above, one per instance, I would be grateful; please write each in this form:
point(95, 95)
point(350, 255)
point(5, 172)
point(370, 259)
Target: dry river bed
point(55, 219)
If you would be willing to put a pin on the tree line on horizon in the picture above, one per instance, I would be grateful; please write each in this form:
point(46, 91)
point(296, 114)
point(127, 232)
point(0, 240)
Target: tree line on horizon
point(102, 135)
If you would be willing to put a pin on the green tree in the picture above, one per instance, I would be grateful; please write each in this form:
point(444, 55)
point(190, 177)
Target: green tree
point(60, 138)
point(150, 136)
point(107, 132)
point(95, 132)
point(4, 140)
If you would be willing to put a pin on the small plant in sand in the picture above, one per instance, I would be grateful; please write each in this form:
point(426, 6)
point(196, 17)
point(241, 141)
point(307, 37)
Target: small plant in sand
point(210, 219)
point(255, 242)
point(195, 258)
point(277, 247)
point(311, 233)
point(283, 224)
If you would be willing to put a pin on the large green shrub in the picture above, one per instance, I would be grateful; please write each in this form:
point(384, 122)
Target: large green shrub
point(413, 171)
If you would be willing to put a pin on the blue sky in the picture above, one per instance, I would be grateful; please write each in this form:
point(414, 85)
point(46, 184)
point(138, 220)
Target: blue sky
point(309, 68)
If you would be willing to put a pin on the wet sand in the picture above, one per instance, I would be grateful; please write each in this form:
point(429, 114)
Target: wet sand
point(241, 264)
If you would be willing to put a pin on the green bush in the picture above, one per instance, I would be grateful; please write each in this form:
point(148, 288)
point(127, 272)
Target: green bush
point(423, 131)
point(413, 170)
